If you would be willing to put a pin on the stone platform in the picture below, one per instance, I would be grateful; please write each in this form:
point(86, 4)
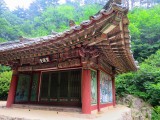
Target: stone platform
point(48, 108)
point(2, 104)
point(26, 113)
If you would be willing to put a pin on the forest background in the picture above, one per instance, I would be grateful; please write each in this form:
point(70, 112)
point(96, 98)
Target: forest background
point(46, 16)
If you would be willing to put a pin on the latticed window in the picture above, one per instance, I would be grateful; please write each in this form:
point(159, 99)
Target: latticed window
point(61, 86)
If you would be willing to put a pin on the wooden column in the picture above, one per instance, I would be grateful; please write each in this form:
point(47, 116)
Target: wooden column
point(98, 90)
point(86, 91)
point(30, 88)
point(39, 83)
point(12, 90)
point(113, 91)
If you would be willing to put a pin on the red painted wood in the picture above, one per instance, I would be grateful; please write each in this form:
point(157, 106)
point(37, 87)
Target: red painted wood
point(94, 107)
point(58, 69)
point(12, 90)
point(106, 105)
point(113, 90)
point(98, 90)
point(30, 88)
point(39, 86)
point(105, 71)
point(86, 91)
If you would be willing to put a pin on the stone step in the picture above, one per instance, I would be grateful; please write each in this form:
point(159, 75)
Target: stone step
point(49, 108)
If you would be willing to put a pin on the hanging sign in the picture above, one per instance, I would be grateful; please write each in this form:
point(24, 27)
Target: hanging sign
point(44, 59)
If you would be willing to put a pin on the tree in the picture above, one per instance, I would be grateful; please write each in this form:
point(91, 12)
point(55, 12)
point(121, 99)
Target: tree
point(145, 83)
point(144, 27)
point(21, 13)
point(3, 7)
point(143, 3)
point(8, 27)
point(5, 78)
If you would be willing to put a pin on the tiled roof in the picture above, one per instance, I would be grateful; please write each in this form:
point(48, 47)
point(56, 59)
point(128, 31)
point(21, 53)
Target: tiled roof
point(109, 27)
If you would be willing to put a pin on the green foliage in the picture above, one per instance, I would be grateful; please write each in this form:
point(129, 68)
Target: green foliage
point(5, 78)
point(42, 18)
point(156, 113)
point(3, 7)
point(9, 29)
point(145, 83)
point(2, 40)
point(4, 68)
point(56, 19)
point(145, 28)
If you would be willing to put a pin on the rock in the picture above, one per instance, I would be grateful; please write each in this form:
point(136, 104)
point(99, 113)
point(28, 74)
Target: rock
point(127, 116)
point(139, 109)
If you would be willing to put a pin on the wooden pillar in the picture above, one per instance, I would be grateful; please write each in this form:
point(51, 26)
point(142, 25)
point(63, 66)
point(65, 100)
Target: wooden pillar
point(86, 91)
point(98, 90)
point(30, 88)
point(39, 83)
point(12, 90)
point(113, 91)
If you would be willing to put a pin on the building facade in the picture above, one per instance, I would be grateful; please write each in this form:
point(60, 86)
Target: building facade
point(74, 68)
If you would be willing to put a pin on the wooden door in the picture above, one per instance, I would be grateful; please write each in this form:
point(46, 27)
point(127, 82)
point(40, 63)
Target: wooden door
point(61, 86)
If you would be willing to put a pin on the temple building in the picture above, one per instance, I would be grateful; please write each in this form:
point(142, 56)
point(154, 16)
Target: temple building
point(75, 68)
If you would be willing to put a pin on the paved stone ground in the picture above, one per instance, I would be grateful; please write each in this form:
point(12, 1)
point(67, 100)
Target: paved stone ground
point(2, 104)
point(118, 113)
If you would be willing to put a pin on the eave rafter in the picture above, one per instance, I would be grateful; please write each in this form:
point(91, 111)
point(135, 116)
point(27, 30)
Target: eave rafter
point(115, 46)
point(107, 32)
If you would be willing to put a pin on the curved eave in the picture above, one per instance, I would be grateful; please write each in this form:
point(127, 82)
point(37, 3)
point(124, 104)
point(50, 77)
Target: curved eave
point(114, 45)
point(57, 41)
point(116, 48)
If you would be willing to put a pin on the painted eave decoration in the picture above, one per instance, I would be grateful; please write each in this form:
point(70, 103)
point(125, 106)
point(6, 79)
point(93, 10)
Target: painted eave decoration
point(107, 32)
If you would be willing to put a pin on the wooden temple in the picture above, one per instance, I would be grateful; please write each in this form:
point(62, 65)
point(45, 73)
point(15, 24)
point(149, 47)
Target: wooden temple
point(75, 68)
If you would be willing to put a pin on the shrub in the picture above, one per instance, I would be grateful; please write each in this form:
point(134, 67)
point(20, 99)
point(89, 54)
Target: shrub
point(156, 113)
point(5, 78)
point(145, 83)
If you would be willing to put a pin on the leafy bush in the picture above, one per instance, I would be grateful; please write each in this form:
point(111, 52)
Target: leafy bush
point(145, 83)
point(4, 68)
point(5, 78)
point(156, 113)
